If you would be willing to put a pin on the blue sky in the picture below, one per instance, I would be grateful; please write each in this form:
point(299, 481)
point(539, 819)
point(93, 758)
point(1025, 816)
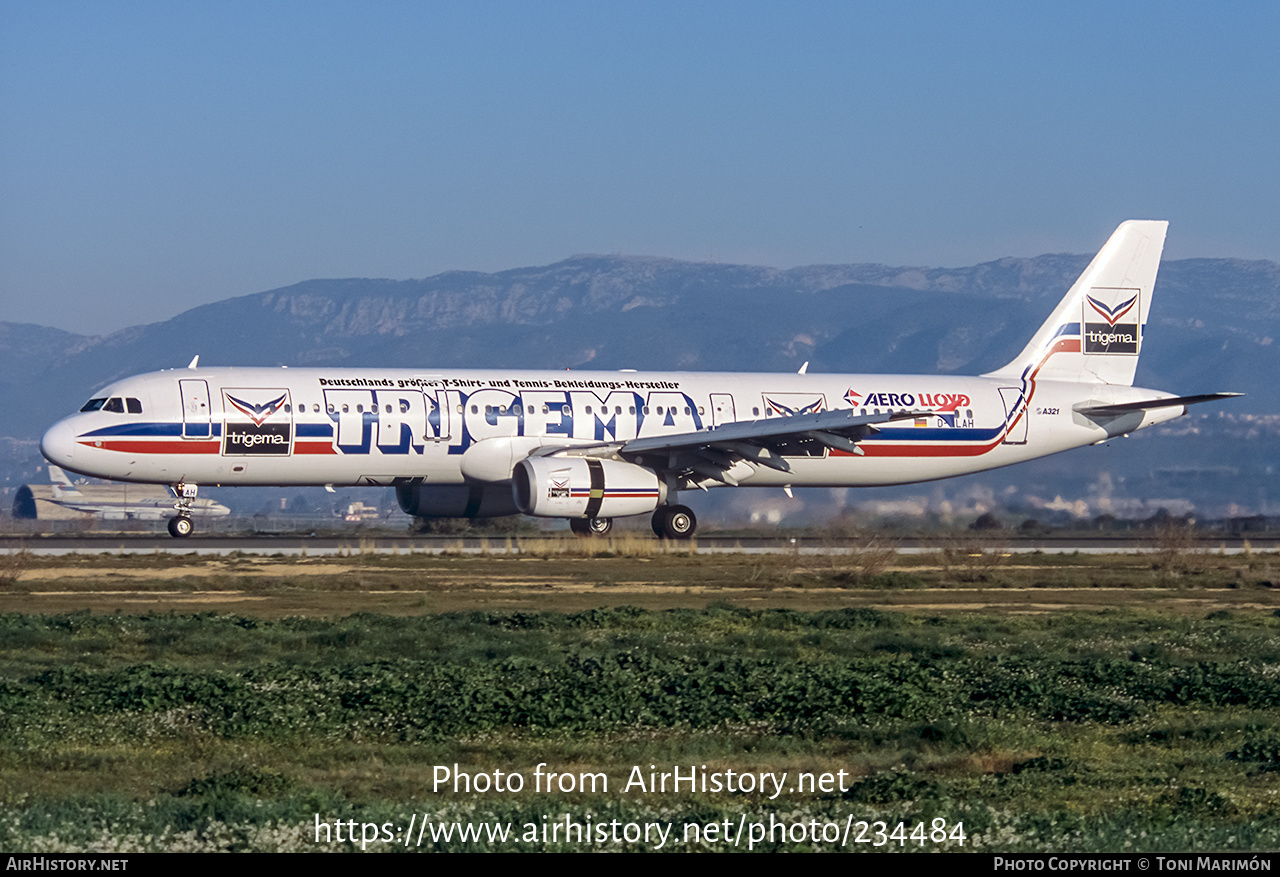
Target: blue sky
point(156, 156)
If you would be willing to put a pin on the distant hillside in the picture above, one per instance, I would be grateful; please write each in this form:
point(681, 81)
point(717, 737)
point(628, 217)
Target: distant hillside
point(1213, 326)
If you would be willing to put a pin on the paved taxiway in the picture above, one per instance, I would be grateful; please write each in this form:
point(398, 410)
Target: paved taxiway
point(327, 546)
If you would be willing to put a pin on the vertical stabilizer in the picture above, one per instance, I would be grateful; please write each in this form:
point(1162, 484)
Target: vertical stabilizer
point(1095, 333)
point(61, 482)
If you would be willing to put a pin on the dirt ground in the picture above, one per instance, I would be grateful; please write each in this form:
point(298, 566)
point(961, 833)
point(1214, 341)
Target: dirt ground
point(274, 587)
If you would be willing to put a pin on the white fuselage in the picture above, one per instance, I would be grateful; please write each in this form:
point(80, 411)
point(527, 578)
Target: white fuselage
point(259, 426)
point(590, 446)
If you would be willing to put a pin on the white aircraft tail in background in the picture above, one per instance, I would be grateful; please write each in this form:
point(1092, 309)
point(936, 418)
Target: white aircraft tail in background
point(111, 502)
point(61, 482)
point(592, 446)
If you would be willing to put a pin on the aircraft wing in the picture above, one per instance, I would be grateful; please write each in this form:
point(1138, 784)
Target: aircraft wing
point(844, 424)
point(713, 452)
point(73, 505)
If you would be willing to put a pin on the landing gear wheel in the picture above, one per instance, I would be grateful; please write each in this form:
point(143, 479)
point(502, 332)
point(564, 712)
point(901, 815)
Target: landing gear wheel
point(180, 526)
point(591, 526)
point(674, 522)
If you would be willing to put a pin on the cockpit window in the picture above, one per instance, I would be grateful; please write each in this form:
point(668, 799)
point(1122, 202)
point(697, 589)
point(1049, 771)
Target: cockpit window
point(93, 404)
point(134, 405)
point(115, 405)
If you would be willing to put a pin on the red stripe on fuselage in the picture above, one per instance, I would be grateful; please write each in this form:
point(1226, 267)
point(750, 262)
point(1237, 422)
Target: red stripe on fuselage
point(148, 447)
point(916, 449)
point(872, 448)
point(313, 448)
point(191, 447)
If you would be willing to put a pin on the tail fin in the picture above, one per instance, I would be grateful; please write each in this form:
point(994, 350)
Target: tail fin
point(61, 482)
point(1095, 333)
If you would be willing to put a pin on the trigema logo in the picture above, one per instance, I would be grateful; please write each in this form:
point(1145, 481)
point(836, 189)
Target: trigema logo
point(559, 486)
point(1111, 321)
point(258, 422)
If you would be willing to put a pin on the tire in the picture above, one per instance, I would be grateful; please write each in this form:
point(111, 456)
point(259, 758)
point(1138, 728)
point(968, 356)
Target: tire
point(591, 526)
point(675, 522)
point(659, 522)
point(180, 527)
point(681, 522)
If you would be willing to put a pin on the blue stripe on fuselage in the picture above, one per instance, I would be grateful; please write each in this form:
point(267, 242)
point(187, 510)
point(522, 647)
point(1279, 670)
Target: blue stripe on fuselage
point(138, 429)
point(933, 434)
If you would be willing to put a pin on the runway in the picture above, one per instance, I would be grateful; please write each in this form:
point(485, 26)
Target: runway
point(302, 545)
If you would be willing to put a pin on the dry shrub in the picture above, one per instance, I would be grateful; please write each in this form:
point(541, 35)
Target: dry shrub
point(13, 563)
point(625, 544)
point(1176, 550)
point(859, 558)
point(972, 556)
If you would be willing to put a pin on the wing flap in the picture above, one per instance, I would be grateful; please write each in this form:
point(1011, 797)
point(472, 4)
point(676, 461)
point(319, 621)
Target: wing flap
point(771, 429)
point(716, 454)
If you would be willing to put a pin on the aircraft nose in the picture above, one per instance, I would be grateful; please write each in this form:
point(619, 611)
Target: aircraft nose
point(59, 443)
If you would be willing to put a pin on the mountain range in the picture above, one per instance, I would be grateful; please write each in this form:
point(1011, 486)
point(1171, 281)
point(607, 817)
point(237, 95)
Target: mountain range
point(1213, 327)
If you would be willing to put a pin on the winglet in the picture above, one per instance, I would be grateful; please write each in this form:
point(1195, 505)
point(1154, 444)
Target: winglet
point(195, 362)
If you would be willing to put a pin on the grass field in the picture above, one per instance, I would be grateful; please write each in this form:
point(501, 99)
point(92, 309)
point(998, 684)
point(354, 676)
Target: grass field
point(1034, 702)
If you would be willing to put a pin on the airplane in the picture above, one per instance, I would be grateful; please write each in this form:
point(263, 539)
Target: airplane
point(592, 446)
point(110, 502)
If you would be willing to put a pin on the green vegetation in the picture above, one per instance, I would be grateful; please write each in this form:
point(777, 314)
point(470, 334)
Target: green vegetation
point(1114, 730)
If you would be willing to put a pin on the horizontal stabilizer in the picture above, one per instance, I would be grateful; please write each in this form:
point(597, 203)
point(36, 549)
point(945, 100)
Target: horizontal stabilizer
point(1149, 404)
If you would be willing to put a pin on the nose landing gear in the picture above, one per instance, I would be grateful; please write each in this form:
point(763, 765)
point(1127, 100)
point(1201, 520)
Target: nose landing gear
point(180, 526)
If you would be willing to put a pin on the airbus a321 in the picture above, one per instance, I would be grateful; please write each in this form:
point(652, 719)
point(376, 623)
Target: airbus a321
point(593, 446)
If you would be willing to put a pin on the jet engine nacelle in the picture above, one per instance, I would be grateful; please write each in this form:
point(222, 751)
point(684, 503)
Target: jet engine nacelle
point(582, 487)
point(456, 500)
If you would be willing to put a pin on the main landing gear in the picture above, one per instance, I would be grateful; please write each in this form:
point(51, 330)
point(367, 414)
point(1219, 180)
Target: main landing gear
point(674, 522)
point(591, 526)
point(669, 522)
point(180, 526)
